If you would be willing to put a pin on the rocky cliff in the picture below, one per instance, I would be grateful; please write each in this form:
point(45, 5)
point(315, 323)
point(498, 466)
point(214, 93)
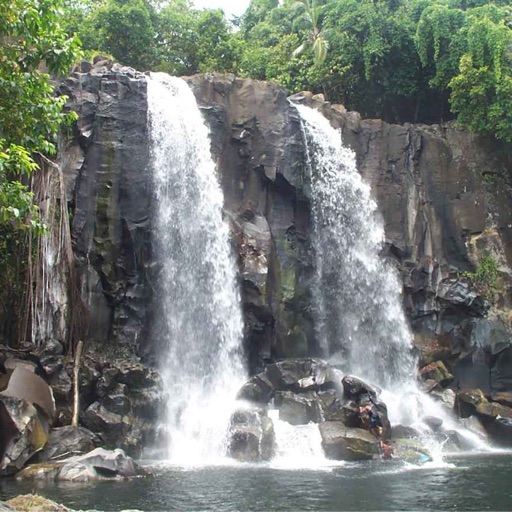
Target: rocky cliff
point(444, 195)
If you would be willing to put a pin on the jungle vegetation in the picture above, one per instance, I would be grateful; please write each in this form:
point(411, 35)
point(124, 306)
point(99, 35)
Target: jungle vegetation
point(399, 60)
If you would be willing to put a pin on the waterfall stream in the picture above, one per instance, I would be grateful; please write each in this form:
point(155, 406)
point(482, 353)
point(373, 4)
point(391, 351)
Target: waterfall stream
point(358, 292)
point(198, 319)
point(361, 323)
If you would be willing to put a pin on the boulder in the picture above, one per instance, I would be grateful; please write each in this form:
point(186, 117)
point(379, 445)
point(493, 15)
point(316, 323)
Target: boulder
point(404, 432)
point(333, 409)
point(446, 396)
point(111, 425)
point(432, 422)
point(437, 372)
point(26, 385)
point(342, 443)
point(251, 436)
point(495, 417)
point(503, 398)
point(258, 389)
point(301, 375)
point(99, 464)
point(298, 409)
point(356, 389)
point(474, 424)
point(469, 402)
point(24, 432)
point(66, 441)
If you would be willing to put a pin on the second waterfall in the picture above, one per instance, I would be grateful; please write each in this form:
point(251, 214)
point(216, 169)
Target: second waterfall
point(198, 317)
point(361, 323)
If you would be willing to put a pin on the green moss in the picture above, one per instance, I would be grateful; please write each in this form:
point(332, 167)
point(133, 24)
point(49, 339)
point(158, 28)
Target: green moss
point(485, 277)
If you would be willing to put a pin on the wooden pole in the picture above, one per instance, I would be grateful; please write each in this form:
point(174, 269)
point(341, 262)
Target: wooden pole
point(76, 384)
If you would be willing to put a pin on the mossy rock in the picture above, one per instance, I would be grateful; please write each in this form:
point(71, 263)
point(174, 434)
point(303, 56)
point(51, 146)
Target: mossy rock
point(34, 502)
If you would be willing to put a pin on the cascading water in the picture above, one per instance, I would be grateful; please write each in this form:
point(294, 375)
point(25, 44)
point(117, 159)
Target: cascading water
point(361, 323)
point(359, 294)
point(199, 320)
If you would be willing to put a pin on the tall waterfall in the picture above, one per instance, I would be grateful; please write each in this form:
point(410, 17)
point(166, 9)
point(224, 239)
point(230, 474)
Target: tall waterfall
point(361, 320)
point(199, 316)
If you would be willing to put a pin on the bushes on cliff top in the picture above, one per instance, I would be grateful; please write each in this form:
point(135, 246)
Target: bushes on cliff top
point(401, 60)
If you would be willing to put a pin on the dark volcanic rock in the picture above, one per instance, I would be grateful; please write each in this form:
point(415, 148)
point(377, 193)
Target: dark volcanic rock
point(251, 436)
point(356, 388)
point(495, 417)
point(298, 409)
point(67, 441)
point(444, 195)
point(24, 433)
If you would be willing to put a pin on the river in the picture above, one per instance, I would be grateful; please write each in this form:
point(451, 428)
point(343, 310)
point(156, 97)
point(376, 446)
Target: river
point(462, 482)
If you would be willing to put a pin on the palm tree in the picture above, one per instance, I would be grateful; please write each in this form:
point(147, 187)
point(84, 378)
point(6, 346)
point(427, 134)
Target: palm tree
point(317, 34)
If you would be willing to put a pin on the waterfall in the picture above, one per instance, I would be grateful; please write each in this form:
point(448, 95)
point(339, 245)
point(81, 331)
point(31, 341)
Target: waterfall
point(198, 317)
point(361, 320)
point(297, 445)
point(361, 323)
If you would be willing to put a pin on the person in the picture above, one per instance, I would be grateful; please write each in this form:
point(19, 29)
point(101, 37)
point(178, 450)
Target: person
point(387, 450)
point(373, 419)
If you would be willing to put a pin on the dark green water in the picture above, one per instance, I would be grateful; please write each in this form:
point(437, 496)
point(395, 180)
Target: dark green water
point(482, 482)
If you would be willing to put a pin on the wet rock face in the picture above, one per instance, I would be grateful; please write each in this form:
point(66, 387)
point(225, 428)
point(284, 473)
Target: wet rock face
point(251, 435)
point(108, 189)
point(443, 195)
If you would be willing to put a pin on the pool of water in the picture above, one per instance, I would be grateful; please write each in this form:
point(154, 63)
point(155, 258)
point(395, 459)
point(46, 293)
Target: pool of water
point(469, 482)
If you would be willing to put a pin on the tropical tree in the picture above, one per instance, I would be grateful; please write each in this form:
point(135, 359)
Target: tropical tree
point(481, 91)
point(30, 115)
point(312, 13)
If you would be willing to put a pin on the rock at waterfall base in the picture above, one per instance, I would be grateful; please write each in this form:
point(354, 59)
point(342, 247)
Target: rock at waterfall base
point(297, 409)
point(99, 464)
point(66, 441)
point(251, 436)
point(342, 443)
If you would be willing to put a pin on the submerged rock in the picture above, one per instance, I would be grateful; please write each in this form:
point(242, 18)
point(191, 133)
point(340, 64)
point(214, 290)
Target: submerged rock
point(410, 450)
point(33, 502)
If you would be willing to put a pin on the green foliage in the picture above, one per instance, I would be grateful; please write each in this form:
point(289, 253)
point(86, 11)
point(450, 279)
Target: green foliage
point(485, 277)
point(481, 91)
point(401, 60)
point(29, 113)
point(312, 14)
